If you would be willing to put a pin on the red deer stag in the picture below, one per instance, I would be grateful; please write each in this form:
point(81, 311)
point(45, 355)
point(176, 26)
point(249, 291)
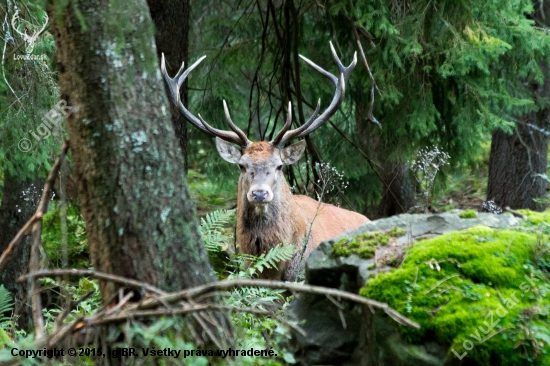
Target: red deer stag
point(267, 212)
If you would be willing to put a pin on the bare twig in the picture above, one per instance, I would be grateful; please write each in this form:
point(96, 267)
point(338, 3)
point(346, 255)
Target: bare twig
point(71, 306)
point(293, 287)
point(34, 265)
point(515, 213)
point(96, 274)
point(24, 231)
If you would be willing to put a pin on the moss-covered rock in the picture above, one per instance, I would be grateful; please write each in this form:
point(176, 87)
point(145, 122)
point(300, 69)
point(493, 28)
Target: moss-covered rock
point(478, 291)
point(468, 214)
point(365, 245)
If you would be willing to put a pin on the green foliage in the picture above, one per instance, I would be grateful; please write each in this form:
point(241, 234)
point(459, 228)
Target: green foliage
point(77, 242)
point(250, 266)
point(365, 245)
point(27, 92)
point(449, 73)
point(212, 229)
point(76, 291)
point(483, 280)
point(468, 214)
point(6, 304)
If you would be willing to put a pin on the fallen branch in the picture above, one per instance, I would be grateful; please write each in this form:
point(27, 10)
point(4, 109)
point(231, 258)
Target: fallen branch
point(193, 292)
point(164, 299)
point(99, 275)
point(515, 213)
point(42, 207)
point(34, 264)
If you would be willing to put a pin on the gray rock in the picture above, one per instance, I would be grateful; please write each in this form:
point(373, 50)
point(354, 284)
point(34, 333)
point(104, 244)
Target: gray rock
point(352, 334)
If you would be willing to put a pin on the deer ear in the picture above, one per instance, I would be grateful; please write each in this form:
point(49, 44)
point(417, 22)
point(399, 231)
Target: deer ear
point(227, 151)
point(293, 153)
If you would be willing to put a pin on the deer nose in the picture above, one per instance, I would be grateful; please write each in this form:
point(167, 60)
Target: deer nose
point(259, 195)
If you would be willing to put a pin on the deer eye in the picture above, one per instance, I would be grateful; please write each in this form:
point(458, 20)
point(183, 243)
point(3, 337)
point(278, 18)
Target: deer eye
point(280, 167)
point(242, 168)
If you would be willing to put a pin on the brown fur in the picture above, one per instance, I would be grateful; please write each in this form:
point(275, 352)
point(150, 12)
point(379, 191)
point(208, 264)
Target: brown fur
point(287, 219)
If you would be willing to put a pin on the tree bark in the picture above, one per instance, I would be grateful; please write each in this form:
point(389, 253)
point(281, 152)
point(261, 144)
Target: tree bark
point(397, 188)
point(135, 201)
point(19, 199)
point(514, 162)
point(171, 19)
point(517, 158)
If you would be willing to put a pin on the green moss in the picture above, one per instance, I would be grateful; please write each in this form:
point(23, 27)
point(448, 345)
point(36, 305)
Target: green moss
point(365, 245)
point(397, 232)
point(468, 214)
point(537, 218)
point(459, 284)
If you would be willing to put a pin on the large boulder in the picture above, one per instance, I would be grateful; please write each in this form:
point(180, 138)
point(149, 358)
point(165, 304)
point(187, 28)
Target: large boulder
point(480, 268)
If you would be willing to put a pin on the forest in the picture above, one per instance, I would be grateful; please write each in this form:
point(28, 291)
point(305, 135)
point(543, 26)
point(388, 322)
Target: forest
point(274, 182)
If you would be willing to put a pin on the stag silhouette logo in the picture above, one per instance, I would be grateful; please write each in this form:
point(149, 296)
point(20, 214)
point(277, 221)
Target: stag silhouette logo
point(27, 26)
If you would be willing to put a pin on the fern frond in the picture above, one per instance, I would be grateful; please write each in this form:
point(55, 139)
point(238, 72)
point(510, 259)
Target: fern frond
point(6, 304)
point(280, 253)
point(211, 229)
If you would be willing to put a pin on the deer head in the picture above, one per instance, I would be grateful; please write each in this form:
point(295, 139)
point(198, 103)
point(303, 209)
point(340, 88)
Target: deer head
point(261, 162)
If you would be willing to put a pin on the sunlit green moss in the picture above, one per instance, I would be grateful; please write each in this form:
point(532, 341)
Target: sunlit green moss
point(468, 214)
point(464, 286)
point(365, 245)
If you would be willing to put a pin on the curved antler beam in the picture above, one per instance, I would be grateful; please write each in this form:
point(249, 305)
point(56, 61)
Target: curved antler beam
point(236, 136)
point(340, 82)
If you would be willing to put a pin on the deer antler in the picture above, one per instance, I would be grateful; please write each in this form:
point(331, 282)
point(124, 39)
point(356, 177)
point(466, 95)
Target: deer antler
point(315, 122)
point(237, 136)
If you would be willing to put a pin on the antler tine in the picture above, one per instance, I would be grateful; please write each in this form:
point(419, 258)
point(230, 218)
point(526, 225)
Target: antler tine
point(174, 85)
point(340, 83)
point(234, 127)
point(281, 133)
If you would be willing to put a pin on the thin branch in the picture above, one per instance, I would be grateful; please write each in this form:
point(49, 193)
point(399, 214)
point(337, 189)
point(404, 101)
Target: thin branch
point(72, 305)
point(24, 231)
point(293, 287)
point(34, 265)
point(96, 274)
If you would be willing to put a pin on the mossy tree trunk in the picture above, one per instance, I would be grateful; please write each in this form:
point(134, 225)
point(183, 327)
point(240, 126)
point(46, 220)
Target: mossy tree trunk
point(140, 220)
point(171, 20)
point(516, 159)
point(19, 200)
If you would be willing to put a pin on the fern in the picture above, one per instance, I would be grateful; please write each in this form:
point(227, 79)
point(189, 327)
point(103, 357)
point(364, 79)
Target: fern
point(6, 304)
point(212, 229)
point(280, 253)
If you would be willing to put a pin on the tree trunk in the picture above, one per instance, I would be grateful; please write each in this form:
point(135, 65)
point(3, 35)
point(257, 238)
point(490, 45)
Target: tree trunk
point(397, 189)
point(514, 162)
point(171, 19)
point(140, 220)
point(516, 159)
point(398, 195)
point(19, 200)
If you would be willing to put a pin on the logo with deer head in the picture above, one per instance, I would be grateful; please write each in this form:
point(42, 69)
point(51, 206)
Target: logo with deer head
point(27, 26)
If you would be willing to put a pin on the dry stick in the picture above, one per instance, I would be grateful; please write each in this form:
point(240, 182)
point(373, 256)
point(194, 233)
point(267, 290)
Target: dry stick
point(37, 216)
point(34, 265)
point(72, 305)
point(96, 274)
point(318, 290)
point(186, 310)
point(191, 293)
point(515, 213)
point(24, 231)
